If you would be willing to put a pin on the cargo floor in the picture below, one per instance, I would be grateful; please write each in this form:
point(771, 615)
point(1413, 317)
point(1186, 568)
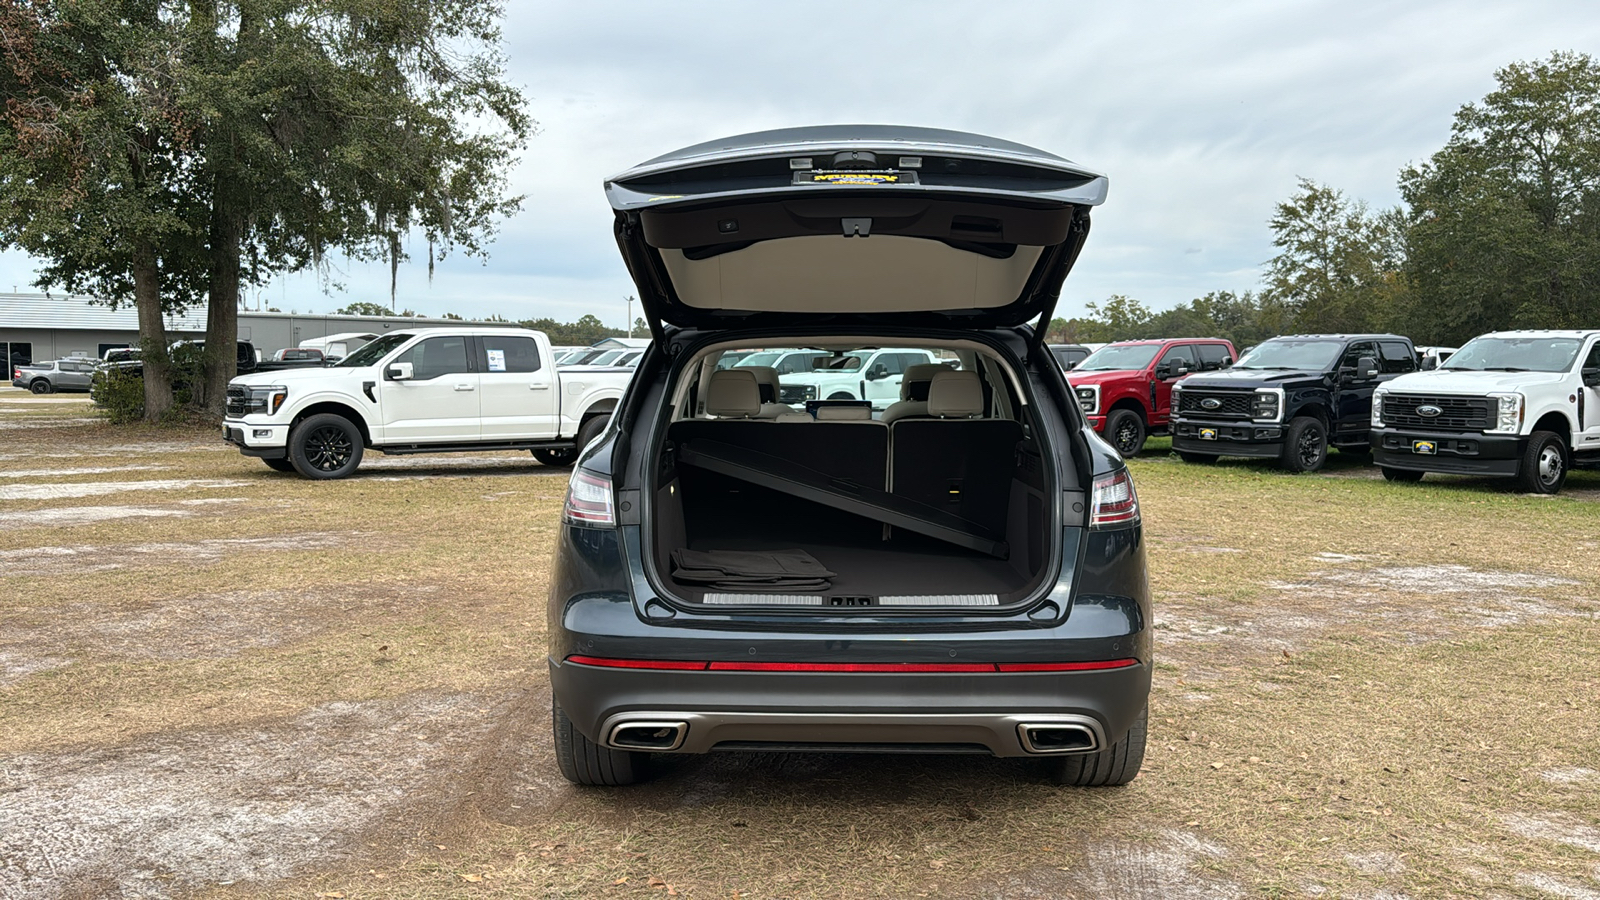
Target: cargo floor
point(887, 569)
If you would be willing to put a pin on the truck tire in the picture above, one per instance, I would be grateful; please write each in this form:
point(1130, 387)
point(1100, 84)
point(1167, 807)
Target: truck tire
point(1401, 475)
point(841, 395)
point(279, 465)
point(582, 761)
point(1305, 445)
point(592, 428)
point(1126, 432)
point(1189, 456)
point(1117, 764)
point(1543, 469)
point(325, 446)
point(41, 386)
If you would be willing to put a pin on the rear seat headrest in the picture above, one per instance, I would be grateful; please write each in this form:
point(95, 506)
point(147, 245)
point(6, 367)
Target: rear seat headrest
point(733, 393)
point(914, 384)
point(767, 380)
point(955, 395)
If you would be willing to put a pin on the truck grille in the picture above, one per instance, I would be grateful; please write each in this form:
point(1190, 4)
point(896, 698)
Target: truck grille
point(1455, 413)
point(1230, 405)
point(238, 402)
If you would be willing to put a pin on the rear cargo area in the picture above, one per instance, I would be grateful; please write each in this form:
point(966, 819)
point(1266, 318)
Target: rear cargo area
point(921, 512)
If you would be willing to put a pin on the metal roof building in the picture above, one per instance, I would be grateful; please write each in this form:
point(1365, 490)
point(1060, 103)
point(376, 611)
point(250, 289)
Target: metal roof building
point(41, 327)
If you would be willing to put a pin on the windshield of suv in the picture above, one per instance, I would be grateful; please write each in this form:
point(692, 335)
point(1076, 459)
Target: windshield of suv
point(1515, 354)
point(374, 351)
point(1315, 356)
point(1118, 357)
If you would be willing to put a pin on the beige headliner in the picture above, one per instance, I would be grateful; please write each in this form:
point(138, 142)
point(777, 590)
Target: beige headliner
point(836, 274)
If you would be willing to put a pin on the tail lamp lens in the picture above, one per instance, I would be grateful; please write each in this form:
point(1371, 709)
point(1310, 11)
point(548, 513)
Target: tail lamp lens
point(1116, 505)
point(589, 500)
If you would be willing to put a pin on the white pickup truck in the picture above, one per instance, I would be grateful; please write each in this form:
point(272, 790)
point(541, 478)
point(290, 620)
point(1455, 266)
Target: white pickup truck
point(423, 390)
point(1519, 404)
point(873, 375)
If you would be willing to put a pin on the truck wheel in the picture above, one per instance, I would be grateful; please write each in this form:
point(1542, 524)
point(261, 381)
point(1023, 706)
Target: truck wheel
point(1305, 445)
point(1125, 428)
point(1117, 764)
point(1543, 469)
point(279, 465)
point(841, 395)
point(556, 457)
point(1189, 456)
point(582, 761)
point(325, 446)
point(1403, 475)
point(591, 428)
point(41, 386)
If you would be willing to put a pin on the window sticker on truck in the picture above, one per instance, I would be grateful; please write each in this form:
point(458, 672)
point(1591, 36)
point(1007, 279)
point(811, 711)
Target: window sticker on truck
point(497, 360)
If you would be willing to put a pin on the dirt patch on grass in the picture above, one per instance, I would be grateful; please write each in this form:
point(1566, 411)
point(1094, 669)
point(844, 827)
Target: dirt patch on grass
point(67, 473)
point(65, 516)
point(178, 812)
point(69, 490)
point(1170, 868)
point(101, 558)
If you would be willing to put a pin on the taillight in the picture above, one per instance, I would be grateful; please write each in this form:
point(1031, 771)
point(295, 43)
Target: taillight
point(1116, 505)
point(589, 500)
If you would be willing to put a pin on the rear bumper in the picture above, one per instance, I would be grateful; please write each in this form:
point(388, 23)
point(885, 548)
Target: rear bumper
point(1233, 438)
point(844, 711)
point(1454, 453)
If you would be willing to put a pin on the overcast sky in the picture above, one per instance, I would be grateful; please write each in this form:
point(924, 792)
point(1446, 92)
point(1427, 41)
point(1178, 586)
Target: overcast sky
point(1202, 115)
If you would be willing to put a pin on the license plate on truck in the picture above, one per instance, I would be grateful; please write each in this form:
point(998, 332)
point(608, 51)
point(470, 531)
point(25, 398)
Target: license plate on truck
point(1426, 448)
point(1208, 434)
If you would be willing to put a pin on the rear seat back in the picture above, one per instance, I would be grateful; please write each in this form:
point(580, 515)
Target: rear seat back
point(954, 460)
point(914, 387)
point(742, 394)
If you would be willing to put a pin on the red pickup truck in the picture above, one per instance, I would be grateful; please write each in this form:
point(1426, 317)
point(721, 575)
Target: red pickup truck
point(1125, 389)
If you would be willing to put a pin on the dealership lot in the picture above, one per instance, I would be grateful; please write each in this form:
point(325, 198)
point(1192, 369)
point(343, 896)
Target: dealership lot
point(219, 680)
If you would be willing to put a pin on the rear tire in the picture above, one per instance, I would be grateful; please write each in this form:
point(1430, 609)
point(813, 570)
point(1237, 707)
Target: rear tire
point(1401, 475)
point(325, 446)
point(1117, 764)
point(1190, 456)
point(1543, 469)
point(841, 395)
point(592, 428)
point(582, 761)
point(279, 465)
point(40, 386)
point(1305, 445)
point(1125, 430)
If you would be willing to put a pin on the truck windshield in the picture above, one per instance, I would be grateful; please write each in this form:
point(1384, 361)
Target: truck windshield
point(1314, 356)
point(1503, 354)
point(374, 351)
point(1115, 358)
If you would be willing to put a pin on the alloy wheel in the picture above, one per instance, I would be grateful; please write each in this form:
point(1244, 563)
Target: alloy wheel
point(1310, 447)
point(328, 448)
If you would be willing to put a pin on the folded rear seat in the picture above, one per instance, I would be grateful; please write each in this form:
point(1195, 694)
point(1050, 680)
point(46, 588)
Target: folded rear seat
point(953, 459)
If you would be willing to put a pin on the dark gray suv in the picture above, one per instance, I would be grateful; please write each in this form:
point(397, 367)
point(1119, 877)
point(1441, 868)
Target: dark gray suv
point(960, 572)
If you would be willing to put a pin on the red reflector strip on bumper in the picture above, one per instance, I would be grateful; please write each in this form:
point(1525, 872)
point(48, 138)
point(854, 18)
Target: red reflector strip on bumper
point(743, 666)
point(637, 663)
point(1068, 666)
point(849, 667)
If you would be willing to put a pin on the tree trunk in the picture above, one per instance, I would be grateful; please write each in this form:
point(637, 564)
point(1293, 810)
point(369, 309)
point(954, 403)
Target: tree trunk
point(152, 334)
point(222, 312)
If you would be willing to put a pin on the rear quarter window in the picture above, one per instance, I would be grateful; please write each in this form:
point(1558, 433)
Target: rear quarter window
point(1396, 358)
point(1213, 356)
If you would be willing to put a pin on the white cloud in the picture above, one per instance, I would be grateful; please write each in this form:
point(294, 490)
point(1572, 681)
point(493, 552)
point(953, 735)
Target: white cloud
point(1203, 116)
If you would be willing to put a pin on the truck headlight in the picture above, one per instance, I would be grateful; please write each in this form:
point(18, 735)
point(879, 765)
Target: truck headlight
point(1267, 405)
point(265, 400)
point(1088, 398)
point(1377, 408)
point(1509, 413)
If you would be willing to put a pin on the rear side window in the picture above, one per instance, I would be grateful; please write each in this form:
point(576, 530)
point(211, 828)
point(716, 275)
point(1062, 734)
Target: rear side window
point(797, 362)
point(437, 356)
point(1212, 356)
point(510, 354)
point(1397, 358)
point(1184, 353)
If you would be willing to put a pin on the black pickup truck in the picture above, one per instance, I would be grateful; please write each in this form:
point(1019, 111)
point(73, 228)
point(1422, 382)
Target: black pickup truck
point(1288, 399)
point(126, 362)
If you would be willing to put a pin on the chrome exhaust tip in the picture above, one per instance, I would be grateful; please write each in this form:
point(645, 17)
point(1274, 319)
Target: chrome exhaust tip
point(655, 737)
point(1058, 737)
